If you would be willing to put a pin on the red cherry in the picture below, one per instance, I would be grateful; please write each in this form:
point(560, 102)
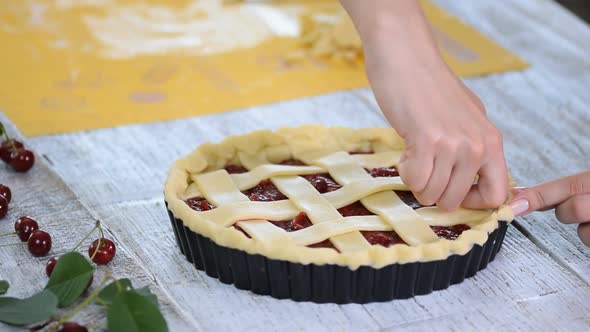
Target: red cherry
point(6, 150)
point(39, 243)
point(105, 253)
point(22, 160)
point(50, 266)
point(24, 227)
point(5, 192)
point(72, 327)
point(3, 207)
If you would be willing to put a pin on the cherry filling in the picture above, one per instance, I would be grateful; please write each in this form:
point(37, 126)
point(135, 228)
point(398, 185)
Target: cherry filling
point(385, 239)
point(266, 191)
point(199, 204)
point(300, 221)
point(449, 232)
point(235, 169)
point(382, 172)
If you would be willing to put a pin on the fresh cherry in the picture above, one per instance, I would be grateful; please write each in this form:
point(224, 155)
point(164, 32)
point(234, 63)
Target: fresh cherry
point(24, 227)
point(39, 243)
point(72, 327)
point(3, 207)
point(5, 192)
point(22, 160)
point(6, 150)
point(50, 266)
point(105, 253)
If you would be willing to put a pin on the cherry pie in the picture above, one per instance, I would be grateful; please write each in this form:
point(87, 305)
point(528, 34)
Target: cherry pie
point(320, 214)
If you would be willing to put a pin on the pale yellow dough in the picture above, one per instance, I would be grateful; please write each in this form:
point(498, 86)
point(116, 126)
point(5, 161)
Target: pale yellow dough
point(324, 149)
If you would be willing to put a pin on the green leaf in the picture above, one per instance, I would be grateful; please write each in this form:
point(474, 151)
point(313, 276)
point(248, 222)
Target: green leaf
point(36, 308)
point(108, 294)
point(70, 278)
point(3, 286)
point(145, 292)
point(133, 312)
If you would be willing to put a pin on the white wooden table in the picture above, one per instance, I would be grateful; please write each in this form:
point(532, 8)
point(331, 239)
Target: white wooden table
point(539, 281)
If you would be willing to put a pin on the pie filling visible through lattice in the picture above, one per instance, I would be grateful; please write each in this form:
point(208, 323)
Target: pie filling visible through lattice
point(315, 195)
point(266, 191)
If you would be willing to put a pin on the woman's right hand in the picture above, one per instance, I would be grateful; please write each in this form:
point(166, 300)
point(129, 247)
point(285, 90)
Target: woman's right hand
point(449, 139)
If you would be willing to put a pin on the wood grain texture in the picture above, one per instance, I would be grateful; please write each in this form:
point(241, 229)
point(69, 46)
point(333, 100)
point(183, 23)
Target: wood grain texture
point(145, 215)
point(41, 194)
point(543, 113)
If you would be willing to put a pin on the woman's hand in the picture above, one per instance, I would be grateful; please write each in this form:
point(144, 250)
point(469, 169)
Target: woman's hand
point(449, 139)
point(569, 196)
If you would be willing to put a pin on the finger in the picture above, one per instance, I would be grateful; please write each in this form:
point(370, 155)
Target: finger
point(459, 185)
point(549, 194)
point(584, 233)
point(416, 166)
point(443, 166)
point(517, 190)
point(491, 189)
point(575, 209)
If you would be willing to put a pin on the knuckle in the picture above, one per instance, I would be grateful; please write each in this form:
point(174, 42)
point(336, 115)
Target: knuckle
point(576, 186)
point(449, 145)
point(431, 137)
point(494, 140)
point(476, 151)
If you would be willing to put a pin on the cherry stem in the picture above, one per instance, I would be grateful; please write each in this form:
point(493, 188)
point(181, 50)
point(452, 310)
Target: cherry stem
point(99, 241)
point(8, 139)
point(82, 304)
point(6, 234)
point(97, 225)
point(12, 244)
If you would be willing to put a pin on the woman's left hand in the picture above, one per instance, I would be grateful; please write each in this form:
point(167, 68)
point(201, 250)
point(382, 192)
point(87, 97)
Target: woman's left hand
point(569, 196)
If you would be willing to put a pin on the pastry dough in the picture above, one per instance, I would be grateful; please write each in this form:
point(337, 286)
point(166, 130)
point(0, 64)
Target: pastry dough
point(325, 150)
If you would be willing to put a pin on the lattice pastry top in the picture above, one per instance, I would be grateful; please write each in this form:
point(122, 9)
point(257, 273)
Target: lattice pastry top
point(318, 195)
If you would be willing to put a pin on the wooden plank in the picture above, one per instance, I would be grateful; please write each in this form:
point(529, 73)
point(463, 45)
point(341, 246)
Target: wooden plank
point(180, 279)
point(120, 173)
point(41, 194)
point(522, 289)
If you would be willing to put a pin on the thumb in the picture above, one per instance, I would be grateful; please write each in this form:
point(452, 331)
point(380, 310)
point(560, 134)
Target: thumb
point(548, 195)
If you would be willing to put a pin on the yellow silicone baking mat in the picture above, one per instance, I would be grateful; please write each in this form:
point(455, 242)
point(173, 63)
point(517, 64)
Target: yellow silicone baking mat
point(70, 65)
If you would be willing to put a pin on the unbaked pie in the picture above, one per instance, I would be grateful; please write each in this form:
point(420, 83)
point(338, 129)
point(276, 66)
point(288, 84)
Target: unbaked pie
point(320, 214)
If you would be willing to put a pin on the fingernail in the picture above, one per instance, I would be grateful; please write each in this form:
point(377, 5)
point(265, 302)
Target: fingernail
point(520, 206)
